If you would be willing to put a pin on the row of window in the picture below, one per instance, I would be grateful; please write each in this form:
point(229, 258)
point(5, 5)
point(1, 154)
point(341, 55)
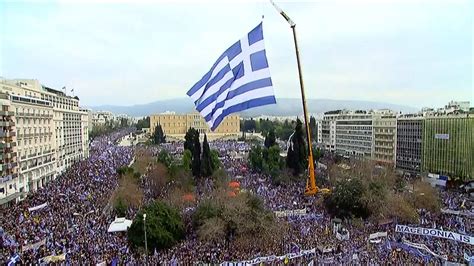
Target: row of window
point(24, 142)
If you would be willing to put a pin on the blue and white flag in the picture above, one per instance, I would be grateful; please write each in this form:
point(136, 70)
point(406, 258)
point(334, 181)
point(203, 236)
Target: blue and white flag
point(238, 80)
point(13, 260)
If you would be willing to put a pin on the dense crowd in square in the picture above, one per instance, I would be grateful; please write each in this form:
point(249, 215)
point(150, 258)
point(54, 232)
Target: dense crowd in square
point(75, 219)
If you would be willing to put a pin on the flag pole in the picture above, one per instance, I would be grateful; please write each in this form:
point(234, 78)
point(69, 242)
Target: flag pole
point(311, 188)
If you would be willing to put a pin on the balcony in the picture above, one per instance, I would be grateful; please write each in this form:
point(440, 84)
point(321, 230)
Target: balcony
point(384, 133)
point(9, 155)
point(7, 134)
point(9, 165)
point(7, 123)
point(7, 113)
point(7, 145)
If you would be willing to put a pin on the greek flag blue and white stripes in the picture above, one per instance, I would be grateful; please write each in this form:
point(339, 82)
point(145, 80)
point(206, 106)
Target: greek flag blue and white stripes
point(13, 260)
point(238, 80)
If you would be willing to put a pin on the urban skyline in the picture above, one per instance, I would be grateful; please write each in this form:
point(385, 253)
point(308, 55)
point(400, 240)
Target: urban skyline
point(365, 50)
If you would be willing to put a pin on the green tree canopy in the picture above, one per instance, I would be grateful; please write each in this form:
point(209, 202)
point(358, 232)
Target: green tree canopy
point(346, 201)
point(256, 158)
point(187, 160)
point(206, 162)
point(313, 128)
point(270, 139)
point(196, 164)
point(297, 157)
point(164, 226)
point(250, 125)
point(215, 162)
point(165, 158)
point(143, 123)
point(272, 164)
point(189, 139)
point(158, 136)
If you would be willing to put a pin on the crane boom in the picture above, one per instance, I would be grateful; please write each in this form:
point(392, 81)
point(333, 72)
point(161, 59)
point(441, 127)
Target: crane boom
point(311, 188)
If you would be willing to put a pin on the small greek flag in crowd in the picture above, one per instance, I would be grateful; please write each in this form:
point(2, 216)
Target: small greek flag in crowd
point(13, 260)
point(238, 80)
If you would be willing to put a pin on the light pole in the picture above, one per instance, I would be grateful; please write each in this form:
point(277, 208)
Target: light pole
point(144, 230)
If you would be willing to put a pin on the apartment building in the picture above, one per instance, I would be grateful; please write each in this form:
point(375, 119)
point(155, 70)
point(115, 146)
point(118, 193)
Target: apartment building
point(176, 125)
point(9, 191)
point(102, 117)
point(88, 112)
point(369, 134)
point(385, 136)
point(409, 143)
point(327, 130)
point(50, 131)
point(354, 133)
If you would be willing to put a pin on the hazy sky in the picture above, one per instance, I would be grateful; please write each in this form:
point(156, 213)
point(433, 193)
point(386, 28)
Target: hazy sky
point(413, 52)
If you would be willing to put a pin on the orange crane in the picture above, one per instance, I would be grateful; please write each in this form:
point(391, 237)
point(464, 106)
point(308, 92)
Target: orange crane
point(311, 188)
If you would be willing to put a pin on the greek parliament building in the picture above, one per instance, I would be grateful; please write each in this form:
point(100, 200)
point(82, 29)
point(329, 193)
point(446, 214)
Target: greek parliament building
point(432, 141)
point(43, 131)
point(175, 126)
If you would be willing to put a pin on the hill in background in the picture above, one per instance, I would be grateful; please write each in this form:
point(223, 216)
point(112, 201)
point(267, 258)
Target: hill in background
point(284, 107)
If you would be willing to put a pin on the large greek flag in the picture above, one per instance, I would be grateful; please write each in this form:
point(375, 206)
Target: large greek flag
point(238, 80)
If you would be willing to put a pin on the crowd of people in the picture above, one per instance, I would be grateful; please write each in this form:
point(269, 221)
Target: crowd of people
point(315, 229)
point(70, 217)
point(74, 222)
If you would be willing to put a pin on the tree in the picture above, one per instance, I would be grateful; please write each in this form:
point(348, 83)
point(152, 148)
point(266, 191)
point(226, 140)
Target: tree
point(272, 163)
point(207, 209)
point(120, 207)
point(235, 218)
point(314, 128)
point(196, 164)
point(297, 156)
point(346, 201)
point(270, 139)
point(189, 139)
point(187, 160)
point(123, 122)
point(317, 153)
point(215, 162)
point(250, 125)
point(206, 163)
point(164, 227)
point(165, 158)
point(143, 123)
point(266, 126)
point(256, 158)
point(284, 130)
point(158, 136)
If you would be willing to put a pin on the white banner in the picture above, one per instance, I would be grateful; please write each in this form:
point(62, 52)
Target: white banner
point(377, 235)
point(271, 258)
point(375, 241)
point(300, 212)
point(34, 245)
point(344, 235)
point(461, 213)
point(435, 233)
point(38, 207)
point(425, 248)
point(53, 258)
point(441, 136)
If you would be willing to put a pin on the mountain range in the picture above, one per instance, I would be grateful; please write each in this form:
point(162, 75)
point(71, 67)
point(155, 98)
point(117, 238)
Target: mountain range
point(284, 107)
